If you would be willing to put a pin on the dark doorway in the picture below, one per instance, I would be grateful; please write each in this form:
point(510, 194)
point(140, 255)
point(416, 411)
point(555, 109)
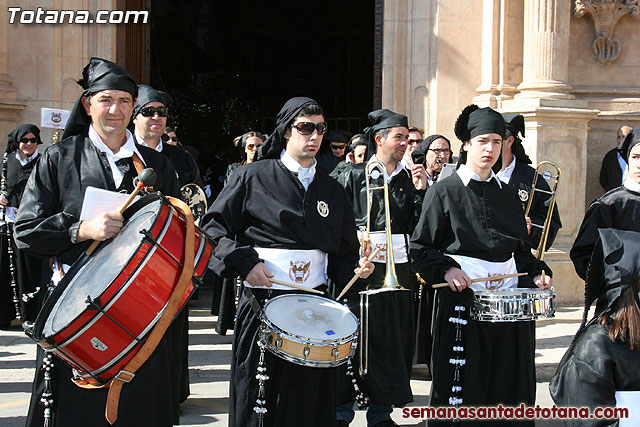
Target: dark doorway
point(231, 65)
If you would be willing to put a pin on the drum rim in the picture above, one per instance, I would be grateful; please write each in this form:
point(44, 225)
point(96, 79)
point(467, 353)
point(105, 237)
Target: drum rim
point(50, 302)
point(317, 297)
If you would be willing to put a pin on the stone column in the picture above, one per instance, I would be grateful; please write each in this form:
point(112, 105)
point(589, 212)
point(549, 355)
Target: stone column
point(546, 49)
point(488, 89)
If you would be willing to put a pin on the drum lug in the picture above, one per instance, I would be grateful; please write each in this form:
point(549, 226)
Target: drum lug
point(279, 342)
point(96, 305)
point(335, 352)
point(148, 238)
point(306, 351)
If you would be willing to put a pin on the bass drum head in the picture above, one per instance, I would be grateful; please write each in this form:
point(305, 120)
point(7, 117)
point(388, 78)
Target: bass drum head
point(311, 317)
point(99, 271)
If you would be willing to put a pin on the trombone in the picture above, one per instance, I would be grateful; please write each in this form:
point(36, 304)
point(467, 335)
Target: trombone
point(373, 170)
point(552, 202)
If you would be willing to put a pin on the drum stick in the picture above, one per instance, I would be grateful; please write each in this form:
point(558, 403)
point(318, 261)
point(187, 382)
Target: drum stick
point(484, 279)
point(146, 178)
point(293, 285)
point(357, 275)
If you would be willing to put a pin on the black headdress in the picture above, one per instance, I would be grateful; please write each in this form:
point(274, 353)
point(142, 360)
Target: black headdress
point(18, 133)
point(382, 119)
point(614, 267)
point(631, 140)
point(98, 75)
point(275, 143)
point(515, 126)
point(474, 121)
point(147, 94)
point(420, 153)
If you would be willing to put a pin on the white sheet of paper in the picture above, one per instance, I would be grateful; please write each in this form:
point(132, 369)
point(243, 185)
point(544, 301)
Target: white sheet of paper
point(447, 170)
point(98, 200)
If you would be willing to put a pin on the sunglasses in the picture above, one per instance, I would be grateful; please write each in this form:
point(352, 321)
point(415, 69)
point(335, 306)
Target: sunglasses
point(252, 146)
point(338, 147)
point(414, 141)
point(150, 111)
point(29, 140)
point(174, 138)
point(307, 128)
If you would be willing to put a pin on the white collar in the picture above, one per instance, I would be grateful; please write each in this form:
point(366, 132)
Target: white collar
point(141, 141)
point(505, 174)
point(632, 185)
point(27, 159)
point(466, 174)
point(125, 151)
point(296, 167)
point(399, 168)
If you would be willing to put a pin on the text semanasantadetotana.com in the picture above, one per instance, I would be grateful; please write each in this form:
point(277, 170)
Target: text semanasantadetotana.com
point(519, 412)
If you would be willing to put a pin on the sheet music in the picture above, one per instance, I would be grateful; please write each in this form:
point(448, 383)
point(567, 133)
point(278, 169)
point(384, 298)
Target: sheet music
point(98, 200)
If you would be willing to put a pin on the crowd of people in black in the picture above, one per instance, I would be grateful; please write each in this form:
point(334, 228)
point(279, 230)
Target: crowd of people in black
point(301, 194)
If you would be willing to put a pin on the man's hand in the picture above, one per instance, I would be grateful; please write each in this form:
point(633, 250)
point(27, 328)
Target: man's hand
point(529, 226)
point(102, 227)
point(259, 275)
point(546, 284)
point(419, 177)
point(457, 279)
point(3, 200)
point(365, 267)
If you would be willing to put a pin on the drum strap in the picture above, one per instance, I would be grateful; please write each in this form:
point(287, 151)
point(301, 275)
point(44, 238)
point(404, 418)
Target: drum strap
point(127, 374)
point(137, 163)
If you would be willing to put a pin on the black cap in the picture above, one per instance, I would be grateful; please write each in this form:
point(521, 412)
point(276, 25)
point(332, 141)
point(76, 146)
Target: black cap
point(474, 121)
point(275, 143)
point(382, 119)
point(147, 94)
point(98, 75)
point(515, 126)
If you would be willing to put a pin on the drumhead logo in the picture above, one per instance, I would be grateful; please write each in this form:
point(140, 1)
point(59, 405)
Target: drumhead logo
point(299, 271)
point(323, 209)
point(494, 284)
point(524, 195)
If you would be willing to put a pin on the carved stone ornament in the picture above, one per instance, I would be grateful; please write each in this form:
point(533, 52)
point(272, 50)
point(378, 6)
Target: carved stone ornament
point(605, 15)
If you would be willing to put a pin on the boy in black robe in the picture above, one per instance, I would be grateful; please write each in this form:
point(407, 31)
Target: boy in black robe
point(514, 170)
point(618, 208)
point(471, 218)
point(281, 204)
point(97, 151)
point(387, 382)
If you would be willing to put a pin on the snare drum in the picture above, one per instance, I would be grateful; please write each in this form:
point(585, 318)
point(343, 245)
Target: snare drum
point(513, 304)
point(309, 330)
point(100, 314)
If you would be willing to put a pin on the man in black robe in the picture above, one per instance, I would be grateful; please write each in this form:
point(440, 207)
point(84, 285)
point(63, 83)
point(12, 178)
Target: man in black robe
point(514, 170)
point(273, 212)
point(433, 153)
point(387, 382)
point(618, 208)
point(472, 226)
point(150, 120)
point(614, 162)
point(98, 151)
point(23, 272)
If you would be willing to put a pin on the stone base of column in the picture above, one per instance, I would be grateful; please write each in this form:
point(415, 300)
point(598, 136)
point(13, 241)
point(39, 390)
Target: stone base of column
point(557, 130)
point(546, 89)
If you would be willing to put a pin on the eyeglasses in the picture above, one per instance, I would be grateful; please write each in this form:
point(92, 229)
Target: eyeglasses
point(252, 146)
point(338, 147)
point(173, 138)
point(440, 151)
point(307, 128)
point(414, 141)
point(150, 111)
point(29, 140)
